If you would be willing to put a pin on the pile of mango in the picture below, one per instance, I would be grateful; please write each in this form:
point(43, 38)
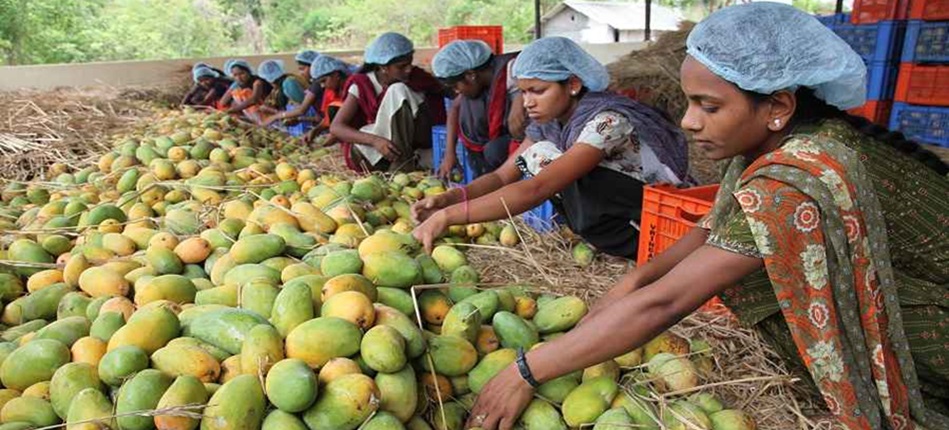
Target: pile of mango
point(196, 278)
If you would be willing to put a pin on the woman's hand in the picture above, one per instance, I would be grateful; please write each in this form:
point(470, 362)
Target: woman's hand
point(424, 208)
point(270, 120)
point(501, 401)
point(386, 148)
point(448, 163)
point(431, 229)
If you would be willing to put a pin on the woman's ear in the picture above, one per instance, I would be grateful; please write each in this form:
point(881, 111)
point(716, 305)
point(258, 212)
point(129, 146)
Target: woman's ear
point(783, 104)
point(574, 85)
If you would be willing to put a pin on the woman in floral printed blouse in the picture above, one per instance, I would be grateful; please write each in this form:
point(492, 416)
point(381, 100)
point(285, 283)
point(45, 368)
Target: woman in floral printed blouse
point(834, 230)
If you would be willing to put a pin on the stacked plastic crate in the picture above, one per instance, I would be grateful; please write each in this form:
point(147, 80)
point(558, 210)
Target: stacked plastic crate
point(877, 35)
point(905, 45)
point(921, 107)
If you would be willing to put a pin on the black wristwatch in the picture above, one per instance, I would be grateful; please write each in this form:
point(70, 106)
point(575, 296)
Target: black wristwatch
point(524, 369)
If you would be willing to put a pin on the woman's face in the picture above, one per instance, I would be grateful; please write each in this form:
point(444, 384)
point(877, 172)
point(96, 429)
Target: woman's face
point(241, 75)
point(304, 69)
point(468, 85)
point(206, 81)
point(545, 101)
point(724, 121)
point(332, 81)
point(398, 71)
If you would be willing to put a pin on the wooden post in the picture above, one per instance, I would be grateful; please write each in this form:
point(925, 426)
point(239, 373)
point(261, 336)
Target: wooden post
point(649, 19)
point(537, 32)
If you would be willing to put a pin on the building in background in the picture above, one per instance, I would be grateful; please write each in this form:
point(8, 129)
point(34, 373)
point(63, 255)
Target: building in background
point(601, 22)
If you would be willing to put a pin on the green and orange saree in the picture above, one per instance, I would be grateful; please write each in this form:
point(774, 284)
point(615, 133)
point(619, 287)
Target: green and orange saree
point(855, 241)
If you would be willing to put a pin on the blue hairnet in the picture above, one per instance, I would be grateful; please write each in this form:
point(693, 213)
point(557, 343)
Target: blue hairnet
point(387, 47)
point(767, 47)
point(325, 65)
point(237, 63)
point(555, 59)
point(199, 65)
point(202, 72)
point(306, 56)
point(459, 57)
point(270, 70)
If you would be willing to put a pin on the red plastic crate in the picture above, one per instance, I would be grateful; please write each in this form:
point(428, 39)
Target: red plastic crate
point(668, 214)
point(871, 11)
point(493, 35)
point(929, 10)
point(875, 110)
point(923, 84)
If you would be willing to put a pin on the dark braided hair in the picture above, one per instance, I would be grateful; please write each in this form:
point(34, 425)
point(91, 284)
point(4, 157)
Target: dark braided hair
point(812, 110)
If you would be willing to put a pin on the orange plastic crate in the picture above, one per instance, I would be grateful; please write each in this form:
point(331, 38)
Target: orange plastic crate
point(668, 214)
point(872, 11)
point(929, 10)
point(493, 35)
point(874, 110)
point(920, 84)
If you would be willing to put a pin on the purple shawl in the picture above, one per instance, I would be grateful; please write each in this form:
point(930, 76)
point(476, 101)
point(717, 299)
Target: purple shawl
point(653, 129)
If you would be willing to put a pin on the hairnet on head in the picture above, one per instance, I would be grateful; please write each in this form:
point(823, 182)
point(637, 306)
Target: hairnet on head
point(199, 65)
point(387, 47)
point(270, 70)
point(231, 64)
point(555, 59)
point(325, 65)
point(202, 72)
point(459, 57)
point(306, 56)
point(767, 47)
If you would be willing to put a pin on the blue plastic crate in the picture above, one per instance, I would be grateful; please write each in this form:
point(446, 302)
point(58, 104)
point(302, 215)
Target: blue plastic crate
point(543, 218)
point(926, 124)
point(439, 144)
point(834, 19)
point(875, 43)
point(881, 80)
point(926, 42)
point(439, 141)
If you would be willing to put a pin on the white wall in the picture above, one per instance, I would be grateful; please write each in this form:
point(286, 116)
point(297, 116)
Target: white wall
point(568, 23)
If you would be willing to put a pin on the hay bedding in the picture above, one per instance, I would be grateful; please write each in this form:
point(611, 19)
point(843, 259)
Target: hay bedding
point(66, 126)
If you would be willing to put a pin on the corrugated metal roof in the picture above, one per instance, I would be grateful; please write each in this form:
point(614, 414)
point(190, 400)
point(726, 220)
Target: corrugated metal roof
point(622, 15)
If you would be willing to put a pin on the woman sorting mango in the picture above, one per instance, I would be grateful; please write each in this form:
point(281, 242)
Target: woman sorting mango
point(247, 93)
point(588, 150)
point(832, 229)
point(488, 114)
point(208, 89)
point(300, 115)
point(389, 109)
point(329, 74)
point(288, 93)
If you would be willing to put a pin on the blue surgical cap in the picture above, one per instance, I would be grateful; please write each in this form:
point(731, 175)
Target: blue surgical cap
point(325, 65)
point(202, 72)
point(387, 47)
point(270, 70)
point(199, 65)
point(459, 57)
point(767, 47)
point(555, 59)
point(306, 56)
point(237, 63)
